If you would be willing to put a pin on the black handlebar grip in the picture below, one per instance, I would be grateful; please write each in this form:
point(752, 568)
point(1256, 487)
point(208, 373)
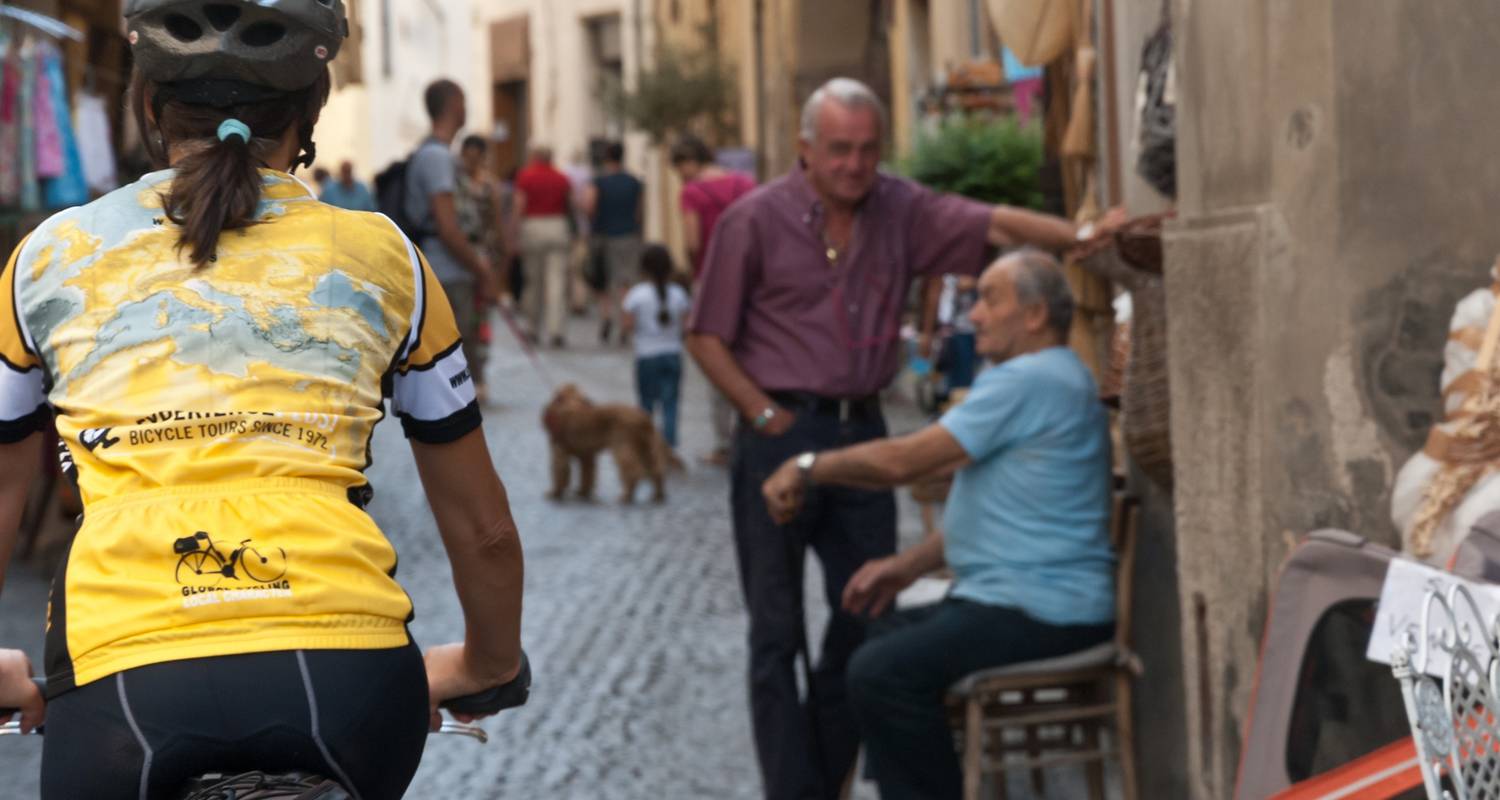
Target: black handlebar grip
point(492, 701)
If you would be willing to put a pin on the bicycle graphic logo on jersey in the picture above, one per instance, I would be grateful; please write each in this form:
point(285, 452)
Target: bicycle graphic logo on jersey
point(201, 563)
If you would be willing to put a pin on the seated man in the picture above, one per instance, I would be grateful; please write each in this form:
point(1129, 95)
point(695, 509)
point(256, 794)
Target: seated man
point(1025, 532)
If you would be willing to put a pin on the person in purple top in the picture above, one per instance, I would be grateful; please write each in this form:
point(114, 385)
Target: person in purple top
point(797, 320)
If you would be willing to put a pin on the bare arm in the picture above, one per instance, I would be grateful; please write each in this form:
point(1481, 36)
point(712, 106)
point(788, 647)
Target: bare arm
point(484, 548)
point(517, 214)
point(690, 235)
point(885, 463)
point(877, 464)
point(724, 372)
point(22, 460)
point(873, 588)
point(588, 203)
point(1010, 226)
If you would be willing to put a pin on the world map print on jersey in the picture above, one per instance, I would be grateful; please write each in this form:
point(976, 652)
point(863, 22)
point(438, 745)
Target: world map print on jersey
point(219, 418)
point(297, 317)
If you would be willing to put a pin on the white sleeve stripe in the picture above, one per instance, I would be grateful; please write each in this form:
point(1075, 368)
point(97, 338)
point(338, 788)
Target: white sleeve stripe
point(419, 292)
point(435, 394)
point(21, 394)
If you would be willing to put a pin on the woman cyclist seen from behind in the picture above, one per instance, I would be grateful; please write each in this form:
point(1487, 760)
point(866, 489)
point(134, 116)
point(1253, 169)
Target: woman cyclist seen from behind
point(216, 345)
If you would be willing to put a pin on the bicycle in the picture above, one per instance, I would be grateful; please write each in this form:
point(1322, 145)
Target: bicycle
point(257, 785)
point(198, 550)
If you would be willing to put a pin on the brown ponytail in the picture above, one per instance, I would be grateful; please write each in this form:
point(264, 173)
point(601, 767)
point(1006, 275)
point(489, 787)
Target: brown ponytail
point(218, 184)
point(656, 264)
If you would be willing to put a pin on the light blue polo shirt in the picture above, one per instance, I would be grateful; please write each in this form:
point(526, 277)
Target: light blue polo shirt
point(1027, 522)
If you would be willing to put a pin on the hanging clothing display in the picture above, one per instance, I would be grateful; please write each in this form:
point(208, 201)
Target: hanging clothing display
point(50, 158)
point(31, 192)
point(10, 124)
point(91, 123)
point(49, 148)
point(68, 188)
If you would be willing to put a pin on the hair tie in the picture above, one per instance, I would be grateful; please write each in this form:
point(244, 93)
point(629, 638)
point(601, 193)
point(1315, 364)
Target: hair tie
point(233, 127)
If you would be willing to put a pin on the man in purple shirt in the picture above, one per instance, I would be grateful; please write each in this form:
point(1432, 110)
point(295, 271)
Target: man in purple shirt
point(797, 320)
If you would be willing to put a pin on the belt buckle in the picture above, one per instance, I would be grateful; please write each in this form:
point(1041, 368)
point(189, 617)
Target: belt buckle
point(844, 410)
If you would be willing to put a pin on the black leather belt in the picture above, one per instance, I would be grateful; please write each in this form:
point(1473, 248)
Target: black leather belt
point(866, 407)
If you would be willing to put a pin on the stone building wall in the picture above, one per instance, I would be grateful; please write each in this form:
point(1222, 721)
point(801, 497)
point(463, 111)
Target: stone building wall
point(1335, 192)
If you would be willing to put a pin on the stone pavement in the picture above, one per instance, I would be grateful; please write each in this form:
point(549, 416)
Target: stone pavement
point(633, 616)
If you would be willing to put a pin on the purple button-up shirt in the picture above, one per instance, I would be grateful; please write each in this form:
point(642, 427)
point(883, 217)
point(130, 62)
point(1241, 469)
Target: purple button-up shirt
point(795, 323)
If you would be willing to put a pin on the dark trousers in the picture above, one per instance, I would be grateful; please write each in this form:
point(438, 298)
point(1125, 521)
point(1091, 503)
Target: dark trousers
point(897, 681)
point(806, 748)
point(657, 379)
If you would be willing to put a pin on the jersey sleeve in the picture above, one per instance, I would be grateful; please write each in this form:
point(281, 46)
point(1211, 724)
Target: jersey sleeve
point(432, 390)
point(23, 381)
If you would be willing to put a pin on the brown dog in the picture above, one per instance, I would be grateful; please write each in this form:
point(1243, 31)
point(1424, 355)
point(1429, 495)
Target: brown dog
point(579, 429)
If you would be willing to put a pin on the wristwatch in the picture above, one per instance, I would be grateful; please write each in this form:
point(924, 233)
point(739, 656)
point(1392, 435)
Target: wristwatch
point(764, 419)
point(804, 466)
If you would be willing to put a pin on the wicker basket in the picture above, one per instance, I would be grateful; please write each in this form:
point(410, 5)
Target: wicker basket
point(1132, 258)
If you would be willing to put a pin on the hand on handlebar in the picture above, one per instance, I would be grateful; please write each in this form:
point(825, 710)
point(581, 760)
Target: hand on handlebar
point(451, 680)
point(18, 691)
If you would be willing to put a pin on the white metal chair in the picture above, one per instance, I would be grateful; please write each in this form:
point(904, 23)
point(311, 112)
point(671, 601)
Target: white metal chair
point(1455, 722)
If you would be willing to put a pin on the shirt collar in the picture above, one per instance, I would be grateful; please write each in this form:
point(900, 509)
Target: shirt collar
point(807, 198)
point(278, 185)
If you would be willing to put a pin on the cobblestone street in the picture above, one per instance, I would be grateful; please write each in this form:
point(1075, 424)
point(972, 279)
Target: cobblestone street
point(633, 615)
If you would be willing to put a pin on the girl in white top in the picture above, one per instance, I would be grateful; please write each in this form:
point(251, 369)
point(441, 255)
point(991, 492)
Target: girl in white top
point(654, 311)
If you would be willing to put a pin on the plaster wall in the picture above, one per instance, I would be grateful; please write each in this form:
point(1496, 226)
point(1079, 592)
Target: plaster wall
point(1333, 179)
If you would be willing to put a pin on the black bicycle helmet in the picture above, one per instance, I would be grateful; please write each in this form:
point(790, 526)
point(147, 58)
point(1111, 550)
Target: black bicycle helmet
point(282, 45)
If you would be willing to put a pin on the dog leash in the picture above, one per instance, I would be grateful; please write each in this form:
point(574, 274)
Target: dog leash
point(526, 347)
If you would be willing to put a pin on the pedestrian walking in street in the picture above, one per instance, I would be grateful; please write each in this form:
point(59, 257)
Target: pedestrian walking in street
point(707, 190)
point(797, 319)
point(346, 192)
point(613, 203)
point(431, 201)
point(1026, 529)
point(580, 173)
point(481, 214)
point(277, 328)
point(542, 204)
point(653, 313)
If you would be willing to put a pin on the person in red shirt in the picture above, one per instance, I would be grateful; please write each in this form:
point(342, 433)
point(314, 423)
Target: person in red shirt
point(542, 203)
point(707, 190)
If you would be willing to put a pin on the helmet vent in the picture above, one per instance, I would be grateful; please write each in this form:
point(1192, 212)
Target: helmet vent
point(222, 17)
point(183, 28)
point(263, 34)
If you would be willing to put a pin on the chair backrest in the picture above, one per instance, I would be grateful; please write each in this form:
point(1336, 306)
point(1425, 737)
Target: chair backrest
point(1455, 720)
point(1123, 526)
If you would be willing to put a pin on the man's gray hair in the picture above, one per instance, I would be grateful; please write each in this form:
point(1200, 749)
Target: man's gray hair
point(847, 92)
point(1039, 280)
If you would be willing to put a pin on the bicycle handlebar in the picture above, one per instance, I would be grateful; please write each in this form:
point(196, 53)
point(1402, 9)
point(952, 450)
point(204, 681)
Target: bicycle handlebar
point(492, 701)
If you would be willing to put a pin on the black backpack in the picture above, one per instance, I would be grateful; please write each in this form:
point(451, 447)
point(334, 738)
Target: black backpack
point(390, 195)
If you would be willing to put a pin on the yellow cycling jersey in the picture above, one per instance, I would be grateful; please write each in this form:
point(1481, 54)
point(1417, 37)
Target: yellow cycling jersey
point(219, 419)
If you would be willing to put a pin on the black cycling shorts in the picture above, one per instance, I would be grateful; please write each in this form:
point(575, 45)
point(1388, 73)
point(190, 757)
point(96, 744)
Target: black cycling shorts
point(358, 717)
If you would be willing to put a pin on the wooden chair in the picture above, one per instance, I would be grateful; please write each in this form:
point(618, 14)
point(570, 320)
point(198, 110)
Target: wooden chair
point(1051, 712)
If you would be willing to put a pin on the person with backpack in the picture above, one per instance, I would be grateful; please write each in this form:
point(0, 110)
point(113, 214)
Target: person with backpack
point(424, 196)
point(653, 311)
point(707, 191)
